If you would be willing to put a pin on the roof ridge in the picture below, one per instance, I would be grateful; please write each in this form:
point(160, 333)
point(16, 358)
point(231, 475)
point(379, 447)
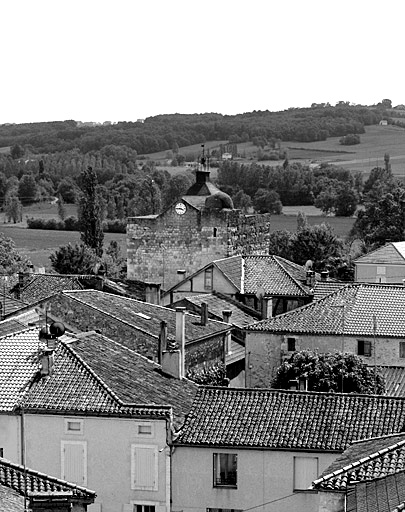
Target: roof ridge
point(359, 462)
point(280, 264)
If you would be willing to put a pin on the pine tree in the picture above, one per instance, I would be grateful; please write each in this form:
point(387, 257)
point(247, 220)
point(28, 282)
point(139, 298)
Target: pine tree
point(91, 230)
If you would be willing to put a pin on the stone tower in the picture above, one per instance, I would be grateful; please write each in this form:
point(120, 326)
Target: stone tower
point(200, 227)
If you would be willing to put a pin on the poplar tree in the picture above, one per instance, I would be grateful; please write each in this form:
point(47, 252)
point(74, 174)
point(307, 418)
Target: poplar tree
point(91, 229)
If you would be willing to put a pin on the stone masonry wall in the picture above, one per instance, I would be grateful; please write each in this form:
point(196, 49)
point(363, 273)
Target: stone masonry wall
point(158, 247)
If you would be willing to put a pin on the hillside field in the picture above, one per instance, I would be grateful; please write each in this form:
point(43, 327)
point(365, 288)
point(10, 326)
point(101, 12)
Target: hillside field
point(38, 244)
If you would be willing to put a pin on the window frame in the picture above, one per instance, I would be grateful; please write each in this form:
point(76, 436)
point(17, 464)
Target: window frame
point(366, 350)
point(232, 483)
point(79, 432)
point(402, 349)
point(140, 424)
point(155, 486)
point(142, 503)
point(208, 278)
point(63, 468)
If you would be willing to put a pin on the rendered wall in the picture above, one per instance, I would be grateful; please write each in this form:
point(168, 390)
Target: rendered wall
point(108, 456)
point(264, 352)
point(369, 273)
point(10, 437)
point(262, 477)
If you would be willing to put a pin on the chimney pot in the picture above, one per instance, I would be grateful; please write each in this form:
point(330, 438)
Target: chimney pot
point(181, 274)
point(226, 315)
point(181, 337)
point(204, 313)
point(324, 275)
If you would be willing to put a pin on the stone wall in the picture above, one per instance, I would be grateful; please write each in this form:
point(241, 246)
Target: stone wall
point(158, 246)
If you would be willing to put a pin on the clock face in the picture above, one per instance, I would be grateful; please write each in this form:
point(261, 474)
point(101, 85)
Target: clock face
point(180, 208)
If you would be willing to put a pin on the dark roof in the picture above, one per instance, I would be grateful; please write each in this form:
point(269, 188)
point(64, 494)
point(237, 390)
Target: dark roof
point(324, 288)
point(11, 326)
point(385, 494)
point(10, 306)
point(10, 500)
point(144, 316)
point(361, 302)
point(275, 419)
point(132, 377)
point(19, 478)
point(364, 460)
point(241, 315)
point(95, 375)
point(41, 286)
point(394, 377)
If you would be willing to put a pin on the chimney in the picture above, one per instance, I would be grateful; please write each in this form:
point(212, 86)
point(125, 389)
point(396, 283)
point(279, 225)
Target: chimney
point(226, 315)
point(204, 313)
point(162, 340)
point(324, 275)
point(181, 274)
point(310, 279)
point(152, 293)
point(266, 307)
point(173, 359)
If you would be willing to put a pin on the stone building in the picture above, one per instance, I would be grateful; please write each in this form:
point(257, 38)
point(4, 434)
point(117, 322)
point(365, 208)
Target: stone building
point(200, 227)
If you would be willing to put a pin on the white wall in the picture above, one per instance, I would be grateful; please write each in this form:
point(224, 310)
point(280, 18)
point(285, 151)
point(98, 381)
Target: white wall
point(108, 443)
point(10, 437)
point(263, 476)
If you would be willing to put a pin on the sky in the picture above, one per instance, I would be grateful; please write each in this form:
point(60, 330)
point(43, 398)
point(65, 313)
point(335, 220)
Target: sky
point(123, 60)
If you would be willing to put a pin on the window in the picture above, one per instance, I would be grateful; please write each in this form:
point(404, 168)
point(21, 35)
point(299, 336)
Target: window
point(291, 344)
point(208, 279)
point(143, 508)
point(144, 467)
point(364, 348)
point(1, 452)
point(144, 429)
point(225, 465)
point(305, 472)
point(73, 426)
point(402, 349)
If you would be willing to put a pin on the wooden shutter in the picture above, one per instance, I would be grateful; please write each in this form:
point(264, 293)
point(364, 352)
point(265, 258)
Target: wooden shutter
point(305, 472)
point(74, 462)
point(144, 467)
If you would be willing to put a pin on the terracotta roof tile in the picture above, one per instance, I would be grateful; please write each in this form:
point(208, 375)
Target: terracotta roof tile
point(394, 377)
point(361, 302)
point(392, 253)
point(386, 494)
point(287, 419)
point(232, 268)
point(42, 286)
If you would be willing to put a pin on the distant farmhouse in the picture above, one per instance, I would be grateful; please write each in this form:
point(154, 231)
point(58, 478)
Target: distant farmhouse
point(200, 227)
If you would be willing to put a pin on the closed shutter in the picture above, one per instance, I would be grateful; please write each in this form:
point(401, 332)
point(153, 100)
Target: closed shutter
point(305, 472)
point(74, 462)
point(144, 467)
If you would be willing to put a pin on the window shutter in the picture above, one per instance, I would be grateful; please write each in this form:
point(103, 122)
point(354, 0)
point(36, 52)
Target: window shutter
point(305, 472)
point(74, 462)
point(144, 468)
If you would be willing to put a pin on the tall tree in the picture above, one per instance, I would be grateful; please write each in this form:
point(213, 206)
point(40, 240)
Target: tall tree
point(91, 230)
point(11, 261)
point(73, 259)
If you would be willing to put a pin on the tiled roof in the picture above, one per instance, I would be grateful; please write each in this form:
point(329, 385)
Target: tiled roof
point(19, 479)
point(361, 302)
point(10, 500)
point(145, 316)
point(41, 286)
point(95, 375)
point(132, 377)
point(232, 268)
point(324, 288)
point(18, 354)
point(385, 494)
point(394, 377)
point(218, 302)
point(392, 253)
point(9, 305)
point(364, 460)
point(11, 326)
point(292, 420)
point(275, 276)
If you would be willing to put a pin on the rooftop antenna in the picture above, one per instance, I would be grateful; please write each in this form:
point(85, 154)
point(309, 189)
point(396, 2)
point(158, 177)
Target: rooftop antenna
point(203, 159)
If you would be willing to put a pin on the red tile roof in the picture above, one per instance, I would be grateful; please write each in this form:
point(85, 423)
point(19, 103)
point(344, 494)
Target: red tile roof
point(392, 253)
point(385, 494)
point(276, 419)
point(394, 377)
point(41, 286)
point(232, 268)
point(361, 302)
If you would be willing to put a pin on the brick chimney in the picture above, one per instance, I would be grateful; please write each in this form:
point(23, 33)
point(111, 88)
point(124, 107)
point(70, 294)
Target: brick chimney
point(152, 293)
point(324, 275)
point(226, 317)
point(310, 278)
